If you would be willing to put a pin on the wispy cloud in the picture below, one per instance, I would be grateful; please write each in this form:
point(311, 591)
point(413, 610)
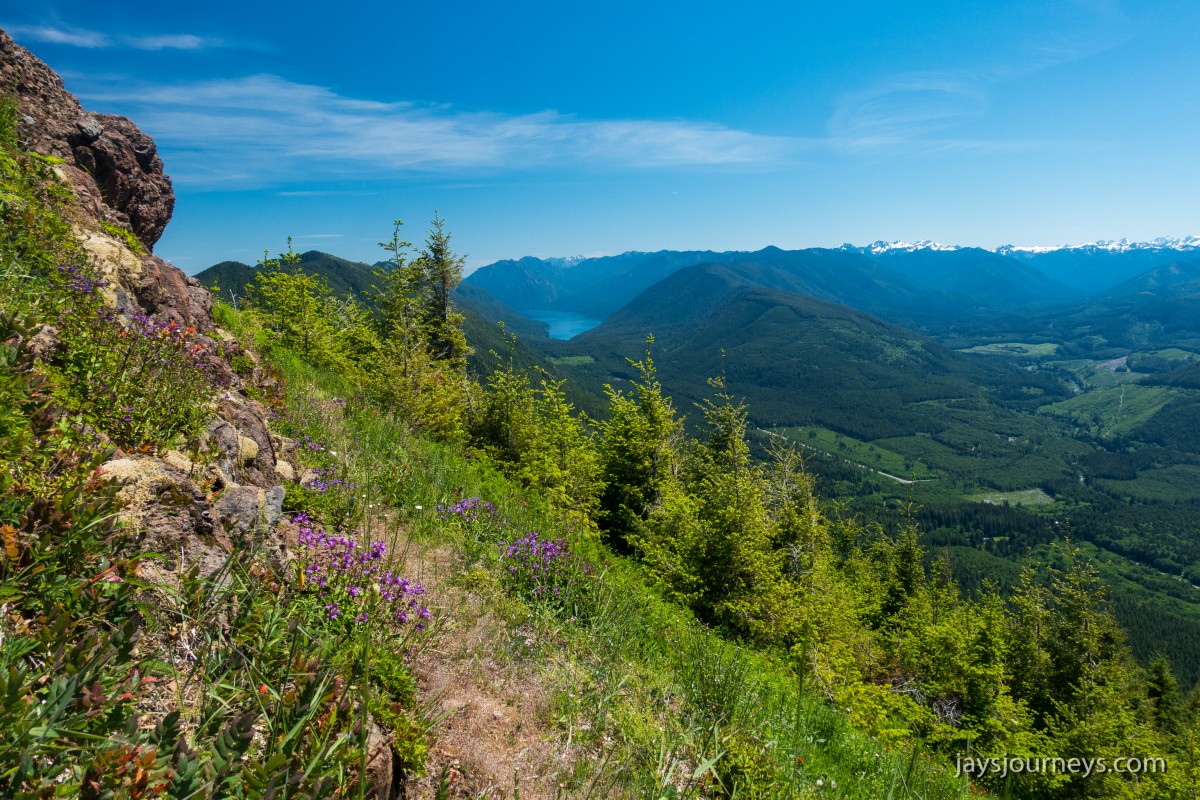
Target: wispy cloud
point(74, 38)
point(95, 40)
point(264, 129)
point(931, 111)
point(904, 110)
point(175, 41)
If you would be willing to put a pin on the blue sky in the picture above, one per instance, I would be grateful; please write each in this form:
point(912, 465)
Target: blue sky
point(561, 128)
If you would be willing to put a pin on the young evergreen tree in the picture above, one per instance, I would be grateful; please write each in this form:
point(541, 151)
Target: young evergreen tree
point(745, 587)
point(639, 452)
point(505, 425)
point(1162, 693)
point(399, 292)
point(441, 272)
point(534, 435)
point(302, 313)
point(420, 371)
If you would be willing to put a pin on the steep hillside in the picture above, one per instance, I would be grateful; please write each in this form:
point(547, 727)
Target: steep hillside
point(980, 278)
point(147, 641)
point(1177, 278)
point(485, 307)
point(524, 284)
point(797, 359)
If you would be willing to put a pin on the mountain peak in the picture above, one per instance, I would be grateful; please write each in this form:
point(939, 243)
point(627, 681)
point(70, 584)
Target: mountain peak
point(1107, 245)
point(880, 247)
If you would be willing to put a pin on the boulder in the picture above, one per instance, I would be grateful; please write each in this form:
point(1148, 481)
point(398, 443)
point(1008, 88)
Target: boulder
point(45, 344)
point(240, 435)
point(241, 509)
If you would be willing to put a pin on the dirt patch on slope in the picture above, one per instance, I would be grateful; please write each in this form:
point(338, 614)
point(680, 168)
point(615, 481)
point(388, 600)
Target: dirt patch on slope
point(497, 734)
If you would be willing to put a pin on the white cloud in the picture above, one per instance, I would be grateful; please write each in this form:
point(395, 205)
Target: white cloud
point(177, 41)
point(919, 111)
point(74, 38)
point(77, 37)
point(904, 110)
point(263, 129)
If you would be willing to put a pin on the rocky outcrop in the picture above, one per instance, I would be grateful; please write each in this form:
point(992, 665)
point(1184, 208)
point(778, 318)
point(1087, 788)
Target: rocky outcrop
point(113, 166)
point(167, 294)
point(166, 502)
point(240, 433)
point(191, 513)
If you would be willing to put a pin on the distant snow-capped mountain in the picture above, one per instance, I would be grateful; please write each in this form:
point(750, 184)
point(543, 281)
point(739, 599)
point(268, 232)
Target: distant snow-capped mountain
point(1108, 246)
point(565, 261)
point(881, 247)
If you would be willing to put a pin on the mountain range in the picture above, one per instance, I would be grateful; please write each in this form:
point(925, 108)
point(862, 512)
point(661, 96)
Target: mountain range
point(905, 283)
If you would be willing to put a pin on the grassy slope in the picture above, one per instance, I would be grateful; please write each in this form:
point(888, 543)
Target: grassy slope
point(643, 687)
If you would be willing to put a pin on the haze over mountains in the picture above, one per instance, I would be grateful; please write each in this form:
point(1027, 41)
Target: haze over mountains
point(900, 281)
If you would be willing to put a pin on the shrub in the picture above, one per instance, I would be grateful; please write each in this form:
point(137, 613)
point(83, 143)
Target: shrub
point(125, 235)
point(139, 380)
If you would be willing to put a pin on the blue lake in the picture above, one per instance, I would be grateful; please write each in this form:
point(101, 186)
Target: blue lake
point(563, 324)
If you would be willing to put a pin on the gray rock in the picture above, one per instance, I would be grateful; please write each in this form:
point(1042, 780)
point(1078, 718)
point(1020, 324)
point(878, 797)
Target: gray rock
point(381, 764)
point(273, 507)
point(89, 129)
point(170, 513)
point(240, 508)
point(45, 344)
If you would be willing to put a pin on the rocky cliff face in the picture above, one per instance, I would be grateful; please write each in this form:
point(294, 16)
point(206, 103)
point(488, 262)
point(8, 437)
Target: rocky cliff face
point(117, 177)
point(114, 167)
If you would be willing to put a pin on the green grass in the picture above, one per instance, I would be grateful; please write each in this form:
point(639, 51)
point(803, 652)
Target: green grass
point(868, 455)
point(983, 446)
point(1041, 350)
point(1025, 497)
point(1089, 374)
point(1173, 354)
point(1115, 411)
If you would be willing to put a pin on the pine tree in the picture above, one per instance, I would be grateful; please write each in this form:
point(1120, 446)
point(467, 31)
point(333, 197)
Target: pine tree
point(639, 452)
point(442, 271)
point(420, 371)
point(399, 296)
point(1162, 692)
point(302, 313)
